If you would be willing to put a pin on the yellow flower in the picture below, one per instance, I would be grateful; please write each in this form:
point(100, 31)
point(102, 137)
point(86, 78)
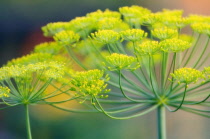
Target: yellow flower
point(119, 61)
point(174, 45)
point(164, 33)
point(52, 28)
point(4, 91)
point(106, 36)
point(187, 75)
point(112, 23)
point(203, 28)
point(147, 48)
point(66, 38)
point(89, 83)
point(133, 35)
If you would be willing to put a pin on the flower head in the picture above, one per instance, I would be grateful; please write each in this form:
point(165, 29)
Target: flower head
point(133, 15)
point(187, 75)
point(119, 61)
point(4, 91)
point(66, 38)
point(174, 45)
point(112, 23)
point(106, 36)
point(89, 83)
point(203, 28)
point(82, 25)
point(206, 72)
point(133, 35)
point(98, 15)
point(164, 33)
point(147, 48)
point(52, 28)
point(48, 47)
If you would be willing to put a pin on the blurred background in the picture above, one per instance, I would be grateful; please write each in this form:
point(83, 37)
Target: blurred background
point(20, 23)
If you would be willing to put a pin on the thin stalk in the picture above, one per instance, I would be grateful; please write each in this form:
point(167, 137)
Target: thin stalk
point(204, 50)
point(28, 127)
point(161, 117)
point(193, 50)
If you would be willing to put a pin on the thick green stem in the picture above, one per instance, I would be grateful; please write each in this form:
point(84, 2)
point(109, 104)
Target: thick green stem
point(161, 117)
point(28, 127)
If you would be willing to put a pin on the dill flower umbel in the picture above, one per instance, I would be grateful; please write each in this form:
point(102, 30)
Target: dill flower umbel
point(147, 48)
point(164, 33)
point(174, 66)
point(187, 75)
point(119, 61)
point(66, 38)
point(174, 45)
point(106, 36)
point(133, 35)
point(89, 83)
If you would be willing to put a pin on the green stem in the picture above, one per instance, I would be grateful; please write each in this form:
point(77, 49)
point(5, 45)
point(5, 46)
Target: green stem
point(161, 115)
point(28, 127)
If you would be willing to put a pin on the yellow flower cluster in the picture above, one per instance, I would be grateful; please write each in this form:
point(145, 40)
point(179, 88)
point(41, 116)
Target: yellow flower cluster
point(152, 18)
point(66, 38)
point(48, 47)
point(112, 23)
point(174, 45)
point(82, 25)
point(164, 33)
point(31, 59)
point(206, 72)
point(133, 35)
point(147, 48)
point(47, 69)
point(120, 61)
point(98, 15)
point(202, 28)
point(89, 83)
point(199, 18)
point(106, 36)
point(187, 75)
point(4, 91)
point(133, 14)
point(52, 28)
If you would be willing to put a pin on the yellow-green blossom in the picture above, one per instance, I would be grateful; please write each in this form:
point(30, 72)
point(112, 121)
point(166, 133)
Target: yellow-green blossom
point(82, 25)
point(133, 15)
point(203, 28)
point(98, 15)
point(106, 36)
point(175, 22)
point(48, 47)
point(112, 23)
point(31, 59)
point(174, 45)
point(147, 48)
point(52, 28)
point(164, 33)
point(187, 75)
point(133, 35)
point(66, 38)
point(174, 13)
point(48, 69)
point(4, 91)
point(89, 83)
point(199, 18)
point(152, 18)
point(120, 61)
point(187, 38)
point(206, 72)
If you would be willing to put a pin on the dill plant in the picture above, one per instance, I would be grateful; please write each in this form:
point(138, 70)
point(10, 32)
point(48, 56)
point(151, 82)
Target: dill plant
point(123, 63)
